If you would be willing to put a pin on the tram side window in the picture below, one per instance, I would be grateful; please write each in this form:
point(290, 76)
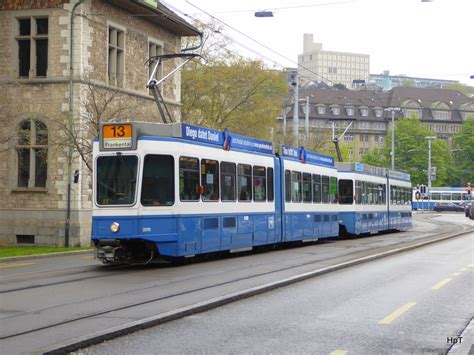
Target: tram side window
point(381, 198)
point(296, 186)
point(210, 179)
point(270, 187)
point(365, 193)
point(188, 179)
point(325, 189)
point(346, 192)
point(358, 192)
point(316, 188)
point(370, 193)
point(445, 196)
point(158, 180)
point(307, 187)
point(245, 182)
point(287, 186)
point(259, 184)
point(228, 181)
point(436, 196)
point(333, 190)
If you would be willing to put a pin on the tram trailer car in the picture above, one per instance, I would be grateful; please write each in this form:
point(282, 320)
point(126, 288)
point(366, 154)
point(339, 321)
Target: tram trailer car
point(165, 191)
point(372, 199)
point(309, 188)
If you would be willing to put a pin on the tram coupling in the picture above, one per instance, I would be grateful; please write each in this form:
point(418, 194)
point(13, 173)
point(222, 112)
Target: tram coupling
point(124, 251)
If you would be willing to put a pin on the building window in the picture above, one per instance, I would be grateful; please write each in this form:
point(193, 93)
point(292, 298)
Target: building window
point(350, 111)
point(364, 112)
point(364, 124)
point(32, 41)
point(154, 50)
point(378, 112)
point(349, 138)
point(116, 63)
point(321, 110)
point(441, 115)
point(32, 154)
point(335, 110)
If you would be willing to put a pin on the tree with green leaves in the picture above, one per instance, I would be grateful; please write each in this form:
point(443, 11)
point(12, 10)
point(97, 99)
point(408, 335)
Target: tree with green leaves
point(228, 91)
point(411, 153)
point(463, 154)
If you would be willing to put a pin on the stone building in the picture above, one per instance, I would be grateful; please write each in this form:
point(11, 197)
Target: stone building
point(442, 110)
point(53, 89)
point(330, 67)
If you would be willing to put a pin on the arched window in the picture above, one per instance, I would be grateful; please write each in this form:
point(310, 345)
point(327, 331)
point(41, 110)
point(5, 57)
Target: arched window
point(32, 154)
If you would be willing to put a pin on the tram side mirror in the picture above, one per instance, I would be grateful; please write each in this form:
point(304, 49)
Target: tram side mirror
point(201, 189)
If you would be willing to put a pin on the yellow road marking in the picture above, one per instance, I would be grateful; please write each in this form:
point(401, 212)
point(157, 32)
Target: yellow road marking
point(440, 284)
point(391, 317)
point(88, 257)
point(456, 273)
point(339, 352)
point(5, 265)
point(463, 269)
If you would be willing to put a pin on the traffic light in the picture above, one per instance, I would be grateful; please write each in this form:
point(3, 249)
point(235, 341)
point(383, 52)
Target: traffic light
point(423, 189)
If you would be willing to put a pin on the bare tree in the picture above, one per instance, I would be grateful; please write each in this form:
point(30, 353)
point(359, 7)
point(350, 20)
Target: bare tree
point(98, 104)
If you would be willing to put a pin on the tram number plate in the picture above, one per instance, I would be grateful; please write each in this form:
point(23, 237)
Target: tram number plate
point(117, 136)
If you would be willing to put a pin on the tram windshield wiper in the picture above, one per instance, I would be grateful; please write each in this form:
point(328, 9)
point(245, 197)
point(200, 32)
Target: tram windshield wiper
point(127, 168)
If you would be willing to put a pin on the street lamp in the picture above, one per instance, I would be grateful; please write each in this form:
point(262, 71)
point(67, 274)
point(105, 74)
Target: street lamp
point(392, 152)
point(430, 138)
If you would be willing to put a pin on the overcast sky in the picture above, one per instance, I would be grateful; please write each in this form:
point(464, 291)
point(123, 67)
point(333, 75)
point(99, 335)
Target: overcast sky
point(425, 39)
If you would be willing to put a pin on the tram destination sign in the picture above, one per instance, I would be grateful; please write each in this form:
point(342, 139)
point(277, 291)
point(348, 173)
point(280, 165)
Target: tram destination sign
point(117, 136)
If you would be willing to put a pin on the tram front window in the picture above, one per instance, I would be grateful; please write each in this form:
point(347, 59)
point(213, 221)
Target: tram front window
point(116, 179)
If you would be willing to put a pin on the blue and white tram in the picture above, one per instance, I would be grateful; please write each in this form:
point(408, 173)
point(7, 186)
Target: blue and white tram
point(164, 191)
point(310, 190)
point(173, 191)
point(457, 195)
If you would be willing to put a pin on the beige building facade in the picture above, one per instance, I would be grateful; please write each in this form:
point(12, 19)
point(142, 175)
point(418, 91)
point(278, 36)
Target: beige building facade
point(443, 111)
point(330, 67)
point(54, 92)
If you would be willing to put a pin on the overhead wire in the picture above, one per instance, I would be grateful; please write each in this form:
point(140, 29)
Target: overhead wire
point(321, 77)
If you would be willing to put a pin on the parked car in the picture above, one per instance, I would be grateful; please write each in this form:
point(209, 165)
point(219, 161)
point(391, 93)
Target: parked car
point(467, 209)
point(471, 211)
point(448, 206)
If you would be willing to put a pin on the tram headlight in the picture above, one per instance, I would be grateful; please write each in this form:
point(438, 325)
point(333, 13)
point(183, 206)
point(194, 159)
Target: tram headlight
point(114, 227)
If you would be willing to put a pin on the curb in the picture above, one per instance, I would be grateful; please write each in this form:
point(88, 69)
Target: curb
point(49, 255)
point(77, 343)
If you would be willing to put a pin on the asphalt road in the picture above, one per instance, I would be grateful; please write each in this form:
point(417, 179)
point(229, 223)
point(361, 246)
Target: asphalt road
point(407, 303)
point(52, 301)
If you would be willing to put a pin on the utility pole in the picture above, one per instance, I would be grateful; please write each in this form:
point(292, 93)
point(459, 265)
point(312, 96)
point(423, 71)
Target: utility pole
point(429, 168)
point(392, 152)
point(306, 118)
point(295, 109)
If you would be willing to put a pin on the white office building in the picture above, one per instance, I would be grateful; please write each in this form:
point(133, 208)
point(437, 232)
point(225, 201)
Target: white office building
point(330, 67)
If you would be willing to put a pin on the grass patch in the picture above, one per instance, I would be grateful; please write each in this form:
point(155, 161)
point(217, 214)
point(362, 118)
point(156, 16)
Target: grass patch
point(21, 251)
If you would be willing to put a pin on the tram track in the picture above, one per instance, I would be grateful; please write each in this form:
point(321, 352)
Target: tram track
point(445, 226)
point(107, 273)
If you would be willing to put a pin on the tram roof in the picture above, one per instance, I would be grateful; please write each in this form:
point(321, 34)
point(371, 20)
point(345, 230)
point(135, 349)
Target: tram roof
point(372, 170)
point(189, 132)
point(306, 156)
